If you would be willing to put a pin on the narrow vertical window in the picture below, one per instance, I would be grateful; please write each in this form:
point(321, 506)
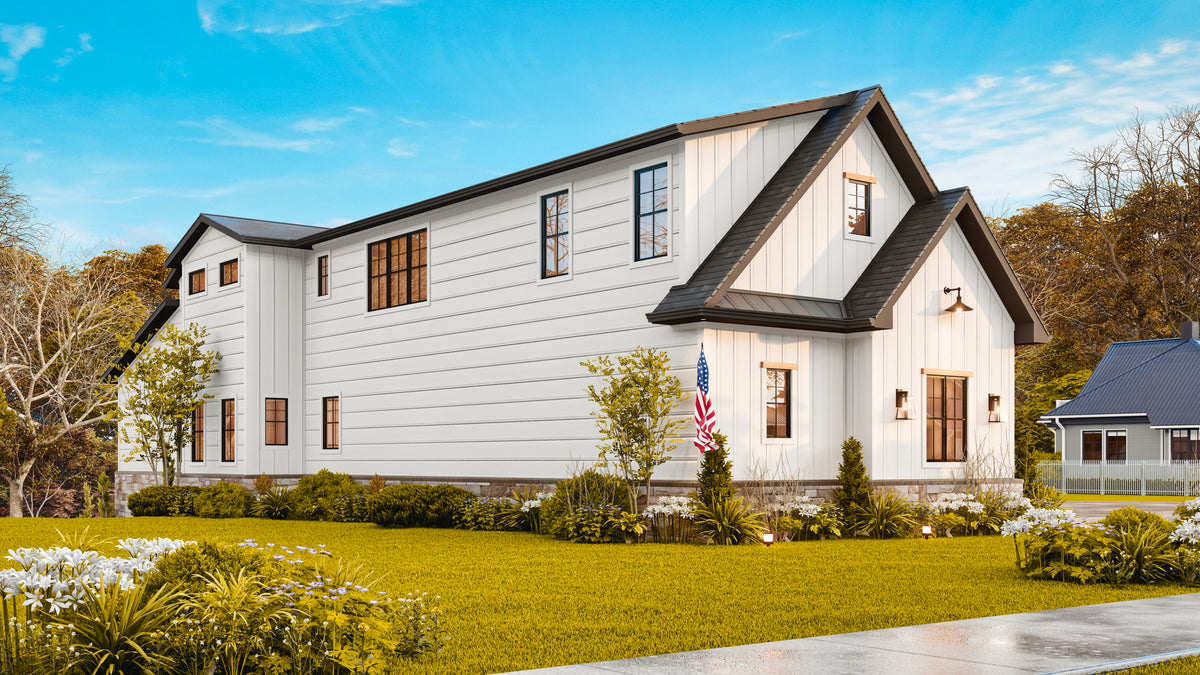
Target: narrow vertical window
point(196, 282)
point(397, 271)
point(276, 421)
point(322, 276)
point(779, 403)
point(228, 426)
point(330, 422)
point(229, 272)
point(945, 418)
point(1114, 445)
point(650, 234)
point(858, 208)
point(198, 434)
point(556, 226)
point(1093, 446)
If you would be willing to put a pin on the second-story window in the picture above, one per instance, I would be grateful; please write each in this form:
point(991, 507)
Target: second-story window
point(858, 207)
point(322, 276)
point(196, 282)
point(276, 421)
point(396, 271)
point(556, 226)
point(650, 213)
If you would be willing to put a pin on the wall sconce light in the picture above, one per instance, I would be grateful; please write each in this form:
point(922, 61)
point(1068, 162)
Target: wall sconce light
point(901, 404)
point(993, 407)
point(768, 538)
point(926, 531)
point(959, 305)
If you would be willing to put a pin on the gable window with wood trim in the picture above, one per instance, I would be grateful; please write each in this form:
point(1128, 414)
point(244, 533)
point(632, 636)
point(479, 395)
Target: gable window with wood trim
point(779, 403)
point(858, 204)
point(196, 282)
point(397, 271)
point(322, 276)
point(945, 418)
point(556, 234)
point(228, 427)
point(650, 227)
point(198, 434)
point(229, 272)
point(276, 417)
point(331, 415)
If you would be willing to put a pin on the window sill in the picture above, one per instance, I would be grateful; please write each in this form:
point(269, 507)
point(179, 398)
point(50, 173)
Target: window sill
point(650, 262)
point(392, 310)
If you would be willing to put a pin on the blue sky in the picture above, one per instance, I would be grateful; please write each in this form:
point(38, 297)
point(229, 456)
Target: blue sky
point(123, 121)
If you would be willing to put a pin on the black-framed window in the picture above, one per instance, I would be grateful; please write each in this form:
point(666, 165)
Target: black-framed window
point(229, 272)
point(322, 275)
point(1091, 446)
point(228, 430)
point(331, 422)
point(1115, 443)
point(397, 271)
point(858, 208)
point(1185, 445)
point(945, 418)
point(650, 233)
point(198, 434)
point(276, 417)
point(779, 403)
point(196, 282)
point(556, 227)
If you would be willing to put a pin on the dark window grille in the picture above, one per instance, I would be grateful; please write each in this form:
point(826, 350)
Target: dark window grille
point(196, 282)
point(650, 232)
point(198, 434)
point(277, 421)
point(323, 276)
point(858, 203)
point(229, 272)
point(556, 226)
point(945, 418)
point(228, 426)
point(330, 422)
point(397, 271)
point(779, 403)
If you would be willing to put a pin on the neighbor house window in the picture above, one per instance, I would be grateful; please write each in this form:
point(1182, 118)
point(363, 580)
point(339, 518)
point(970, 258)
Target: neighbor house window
point(396, 270)
point(1093, 446)
point(228, 425)
point(322, 276)
point(1185, 445)
point(330, 422)
point(779, 403)
point(229, 272)
point(858, 207)
point(556, 226)
point(198, 434)
point(650, 212)
point(1114, 445)
point(276, 421)
point(945, 418)
point(196, 282)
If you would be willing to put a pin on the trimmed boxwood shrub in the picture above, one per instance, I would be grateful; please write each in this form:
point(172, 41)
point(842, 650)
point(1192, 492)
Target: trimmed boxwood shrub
point(419, 505)
point(1128, 519)
point(183, 566)
point(314, 496)
point(222, 500)
point(350, 507)
point(589, 489)
point(164, 500)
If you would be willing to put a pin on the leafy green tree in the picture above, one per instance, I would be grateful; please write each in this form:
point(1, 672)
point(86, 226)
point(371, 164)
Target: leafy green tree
point(165, 384)
point(1033, 439)
point(635, 403)
point(716, 472)
point(853, 493)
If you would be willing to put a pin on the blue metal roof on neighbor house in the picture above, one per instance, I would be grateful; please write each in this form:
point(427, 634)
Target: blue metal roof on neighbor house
point(1157, 378)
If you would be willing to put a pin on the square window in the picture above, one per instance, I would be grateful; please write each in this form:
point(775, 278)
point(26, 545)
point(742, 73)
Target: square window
point(397, 271)
point(229, 272)
point(196, 282)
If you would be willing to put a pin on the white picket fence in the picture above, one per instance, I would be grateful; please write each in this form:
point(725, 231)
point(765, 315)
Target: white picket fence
point(1135, 477)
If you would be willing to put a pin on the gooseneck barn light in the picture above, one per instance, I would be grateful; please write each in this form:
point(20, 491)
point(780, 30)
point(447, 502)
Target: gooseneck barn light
point(959, 305)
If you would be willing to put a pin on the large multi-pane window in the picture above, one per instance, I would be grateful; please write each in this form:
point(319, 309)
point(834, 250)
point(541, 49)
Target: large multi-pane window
point(228, 426)
point(196, 282)
point(397, 271)
point(276, 421)
point(331, 422)
point(650, 212)
point(945, 418)
point(556, 226)
point(322, 276)
point(198, 434)
point(1092, 444)
point(1185, 445)
point(229, 272)
point(858, 207)
point(779, 403)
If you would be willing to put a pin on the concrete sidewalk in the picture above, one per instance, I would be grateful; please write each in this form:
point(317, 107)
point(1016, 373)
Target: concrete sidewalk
point(1076, 640)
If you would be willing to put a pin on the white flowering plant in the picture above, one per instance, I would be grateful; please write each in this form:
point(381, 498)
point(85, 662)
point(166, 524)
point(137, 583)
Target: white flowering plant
point(800, 517)
point(671, 519)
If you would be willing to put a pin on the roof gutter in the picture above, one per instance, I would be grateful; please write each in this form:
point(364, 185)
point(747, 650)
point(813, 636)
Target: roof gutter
point(673, 317)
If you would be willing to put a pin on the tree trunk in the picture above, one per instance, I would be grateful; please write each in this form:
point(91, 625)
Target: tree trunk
point(16, 490)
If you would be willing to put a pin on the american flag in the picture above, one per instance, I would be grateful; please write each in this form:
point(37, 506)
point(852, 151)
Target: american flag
point(706, 416)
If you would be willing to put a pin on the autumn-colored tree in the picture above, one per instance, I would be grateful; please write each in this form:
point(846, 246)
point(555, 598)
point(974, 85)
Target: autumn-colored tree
point(142, 272)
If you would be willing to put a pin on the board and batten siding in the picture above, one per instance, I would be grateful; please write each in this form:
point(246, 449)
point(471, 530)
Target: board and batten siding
point(926, 336)
point(809, 254)
point(484, 380)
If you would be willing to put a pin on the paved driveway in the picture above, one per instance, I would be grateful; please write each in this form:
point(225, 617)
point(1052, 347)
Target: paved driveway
point(1096, 510)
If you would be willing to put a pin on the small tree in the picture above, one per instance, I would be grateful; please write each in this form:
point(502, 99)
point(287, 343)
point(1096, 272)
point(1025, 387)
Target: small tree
point(853, 493)
point(716, 472)
point(165, 385)
point(636, 399)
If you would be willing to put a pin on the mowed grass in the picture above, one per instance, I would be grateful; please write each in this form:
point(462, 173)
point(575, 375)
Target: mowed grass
point(516, 600)
point(1189, 665)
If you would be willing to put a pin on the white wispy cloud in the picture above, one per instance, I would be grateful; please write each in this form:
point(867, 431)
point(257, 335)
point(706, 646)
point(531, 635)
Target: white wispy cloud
point(793, 34)
point(282, 17)
point(20, 40)
point(1006, 134)
point(71, 53)
point(398, 147)
point(225, 132)
point(411, 122)
point(314, 125)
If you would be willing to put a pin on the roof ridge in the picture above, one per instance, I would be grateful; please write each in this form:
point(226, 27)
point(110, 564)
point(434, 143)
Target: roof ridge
point(262, 220)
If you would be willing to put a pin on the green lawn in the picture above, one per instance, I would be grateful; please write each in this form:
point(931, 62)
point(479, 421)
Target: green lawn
point(516, 600)
point(1185, 666)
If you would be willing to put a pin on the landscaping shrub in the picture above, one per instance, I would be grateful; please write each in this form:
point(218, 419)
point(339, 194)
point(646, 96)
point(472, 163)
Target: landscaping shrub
point(276, 504)
point(1131, 518)
point(527, 512)
point(729, 522)
point(487, 513)
point(594, 524)
point(590, 488)
point(1188, 510)
point(670, 520)
point(886, 515)
point(314, 496)
point(263, 484)
point(164, 500)
point(1042, 496)
point(419, 505)
point(350, 507)
point(222, 500)
point(716, 472)
point(853, 493)
point(801, 519)
point(627, 526)
point(183, 566)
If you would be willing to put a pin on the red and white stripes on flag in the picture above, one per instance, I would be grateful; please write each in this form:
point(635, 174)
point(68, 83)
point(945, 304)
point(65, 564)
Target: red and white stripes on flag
point(706, 416)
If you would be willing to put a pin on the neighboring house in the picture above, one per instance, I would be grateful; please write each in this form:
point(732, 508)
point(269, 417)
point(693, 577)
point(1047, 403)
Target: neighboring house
point(1141, 403)
point(805, 246)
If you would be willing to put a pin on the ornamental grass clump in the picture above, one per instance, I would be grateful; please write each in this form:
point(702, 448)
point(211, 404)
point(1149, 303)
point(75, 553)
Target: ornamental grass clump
point(487, 514)
point(276, 504)
point(886, 515)
point(729, 522)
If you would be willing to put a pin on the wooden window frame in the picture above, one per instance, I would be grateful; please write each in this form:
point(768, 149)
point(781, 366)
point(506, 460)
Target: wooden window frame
point(278, 425)
point(323, 275)
point(653, 213)
point(198, 434)
point(561, 238)
point(945, 418)
point(769, 404)
point(416, 292)
point(223, 276)
point(855, 181)
point(228, 430)
point(193, 276)
point(335, 423)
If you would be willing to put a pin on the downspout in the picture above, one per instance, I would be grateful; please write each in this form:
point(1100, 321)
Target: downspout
point(1062, 471)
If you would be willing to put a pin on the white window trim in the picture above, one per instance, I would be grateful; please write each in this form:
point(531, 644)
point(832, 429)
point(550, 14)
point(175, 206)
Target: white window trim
point(187, 282)
point(1103, 442)
point(923, 401)
point(366, 268)
point(317, 269)
point(1166, 439)
point(634, 263)
point(321, 423)
point(537, 221)
point(237, 283)
point(847, 179)
point(793, 370)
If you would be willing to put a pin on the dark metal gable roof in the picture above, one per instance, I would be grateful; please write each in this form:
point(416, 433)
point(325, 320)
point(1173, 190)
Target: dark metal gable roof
point(244, 230)
point(158, 319)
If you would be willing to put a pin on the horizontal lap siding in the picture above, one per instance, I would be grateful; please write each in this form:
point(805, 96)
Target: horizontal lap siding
point(1142, 442)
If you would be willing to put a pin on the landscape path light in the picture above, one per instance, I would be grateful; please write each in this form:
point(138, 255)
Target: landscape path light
point(926, 531)
point(768, 538)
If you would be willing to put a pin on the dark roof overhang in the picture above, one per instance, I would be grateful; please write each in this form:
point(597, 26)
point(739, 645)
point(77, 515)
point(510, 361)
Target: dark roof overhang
point(158, 319)
point(243, 230)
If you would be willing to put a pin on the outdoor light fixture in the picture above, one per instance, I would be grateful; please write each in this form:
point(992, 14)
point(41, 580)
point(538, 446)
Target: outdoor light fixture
point(993, 407)
point(768, 538)
point(959, 305)
point(926, 531)
point(901, 404)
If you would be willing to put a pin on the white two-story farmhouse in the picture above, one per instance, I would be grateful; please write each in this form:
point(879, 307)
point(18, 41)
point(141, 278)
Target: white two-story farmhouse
point(804, 246)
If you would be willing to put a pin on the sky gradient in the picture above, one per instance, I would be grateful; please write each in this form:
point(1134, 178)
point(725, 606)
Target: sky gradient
point(123, 121)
